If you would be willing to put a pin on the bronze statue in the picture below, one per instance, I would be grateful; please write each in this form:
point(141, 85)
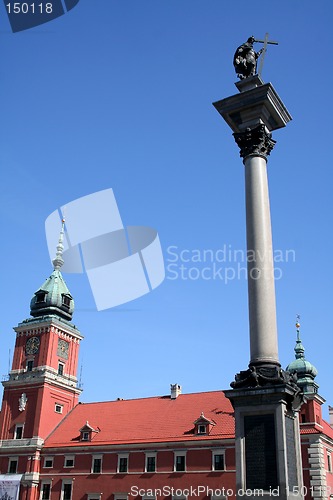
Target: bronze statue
point(245, 59)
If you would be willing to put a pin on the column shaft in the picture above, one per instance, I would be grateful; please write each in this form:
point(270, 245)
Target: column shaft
point(261, 287)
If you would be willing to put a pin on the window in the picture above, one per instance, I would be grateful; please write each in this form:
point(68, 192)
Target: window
point(122, 463)
point(48, 462)
point(96, 464)
point(12, 465)
point(218, 460)
point(40, 297)
point(85, 436)
point(58, 408)
point(60, 368)
point(180, 462)
point(66, 491)
point(94, 496)
point(45, 491)
point(329, 461)
point(151, 462)
point(30, 365)
point(66, 301)
point(69, 461)
point(18, 431)
point(202, 429)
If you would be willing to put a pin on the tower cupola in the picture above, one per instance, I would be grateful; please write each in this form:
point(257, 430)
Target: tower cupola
point(53, 297)
point(306, 372)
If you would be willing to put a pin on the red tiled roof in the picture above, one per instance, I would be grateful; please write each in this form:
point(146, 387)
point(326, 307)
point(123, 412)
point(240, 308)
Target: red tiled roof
point(309, 430)
point(313, 429)
point(327, 429)
point(149, 420)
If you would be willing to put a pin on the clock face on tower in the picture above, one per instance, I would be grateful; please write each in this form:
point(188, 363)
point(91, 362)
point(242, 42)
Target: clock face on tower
point(63, 347)
point(32, 345)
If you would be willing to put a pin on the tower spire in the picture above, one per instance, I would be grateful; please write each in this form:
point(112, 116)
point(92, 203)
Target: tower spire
point(53, 297)
point(306, 372)
point(299, 349)
point(59, 261)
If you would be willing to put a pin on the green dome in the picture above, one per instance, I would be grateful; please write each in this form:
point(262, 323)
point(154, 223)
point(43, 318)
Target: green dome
point(53, 297)
point(306, 371)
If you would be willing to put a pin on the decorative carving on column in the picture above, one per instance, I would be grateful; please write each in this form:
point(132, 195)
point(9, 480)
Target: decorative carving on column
point(256, 142)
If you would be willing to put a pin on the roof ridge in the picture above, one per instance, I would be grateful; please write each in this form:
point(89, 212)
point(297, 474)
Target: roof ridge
point(151, 397)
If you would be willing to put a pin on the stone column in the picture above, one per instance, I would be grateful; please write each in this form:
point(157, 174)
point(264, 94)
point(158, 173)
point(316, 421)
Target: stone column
point(255, 144)
point(265, 398)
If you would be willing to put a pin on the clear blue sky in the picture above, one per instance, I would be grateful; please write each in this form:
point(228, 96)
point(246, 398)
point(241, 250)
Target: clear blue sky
point(118, 94)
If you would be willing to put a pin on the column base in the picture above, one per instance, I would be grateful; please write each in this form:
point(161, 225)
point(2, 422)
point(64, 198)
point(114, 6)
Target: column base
point(268, 454)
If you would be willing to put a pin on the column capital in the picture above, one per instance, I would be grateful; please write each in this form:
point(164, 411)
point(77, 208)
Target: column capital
point(255, 142)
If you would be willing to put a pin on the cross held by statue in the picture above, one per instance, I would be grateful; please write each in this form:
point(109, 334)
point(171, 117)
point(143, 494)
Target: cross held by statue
point(265, 42)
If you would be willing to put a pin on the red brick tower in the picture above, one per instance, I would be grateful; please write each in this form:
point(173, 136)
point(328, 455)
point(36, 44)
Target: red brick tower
point(41, 387)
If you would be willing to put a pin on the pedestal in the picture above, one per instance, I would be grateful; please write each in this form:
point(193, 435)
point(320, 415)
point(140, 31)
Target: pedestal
point(268, 453)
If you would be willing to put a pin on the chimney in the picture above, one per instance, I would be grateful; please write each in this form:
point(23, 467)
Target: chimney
point(330, 412)
point(176, 389)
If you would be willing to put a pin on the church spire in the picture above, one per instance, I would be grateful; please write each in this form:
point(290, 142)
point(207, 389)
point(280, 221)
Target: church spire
point(58, 261)
point(53, 297)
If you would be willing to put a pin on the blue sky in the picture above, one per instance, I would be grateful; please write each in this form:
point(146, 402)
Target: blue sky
point(119, 94)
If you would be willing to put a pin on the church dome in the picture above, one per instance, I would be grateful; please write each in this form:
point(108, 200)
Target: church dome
point(306, 371)
point(53, 297)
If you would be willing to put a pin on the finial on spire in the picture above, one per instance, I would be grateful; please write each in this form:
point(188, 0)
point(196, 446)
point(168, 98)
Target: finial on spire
point(299, 349)
point(58, 261)
point(298, 325)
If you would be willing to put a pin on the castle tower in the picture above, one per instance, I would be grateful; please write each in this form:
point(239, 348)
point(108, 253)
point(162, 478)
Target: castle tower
point(265, 398)
point(41, 387)
point(314, 446)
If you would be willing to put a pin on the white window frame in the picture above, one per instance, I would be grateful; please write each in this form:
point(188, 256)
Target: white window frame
point(45, 460)
point(151, 455)
point(61, 408)
point(96, 457)
point(69, 457)
point(10, 460)
point(179, 454)
point(18, 426)
point(122, 455)
point(94, 496)
point(200, 426)
point(85, 436)
point(218, 452)
point(41, 489)
point(66, 481)
point(63, 369)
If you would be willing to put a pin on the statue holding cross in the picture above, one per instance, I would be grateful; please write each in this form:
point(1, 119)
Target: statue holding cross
point(245, 58)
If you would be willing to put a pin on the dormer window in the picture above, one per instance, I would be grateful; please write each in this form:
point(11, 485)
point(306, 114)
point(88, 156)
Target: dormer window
point(66, 300)
point(85, 436)
point(203, 426)
point(86, 432)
